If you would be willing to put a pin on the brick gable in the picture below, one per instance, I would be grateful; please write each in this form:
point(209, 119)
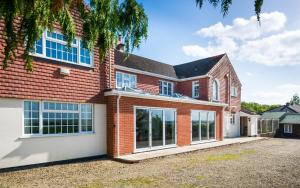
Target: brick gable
point(45, 82)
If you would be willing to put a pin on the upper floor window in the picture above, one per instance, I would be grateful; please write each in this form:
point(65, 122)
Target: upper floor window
point(216, 90)
point(125, 80)
point(165, 88)
point(234, 91)
point(53, 45)
point(49, 118)
point(195, 89)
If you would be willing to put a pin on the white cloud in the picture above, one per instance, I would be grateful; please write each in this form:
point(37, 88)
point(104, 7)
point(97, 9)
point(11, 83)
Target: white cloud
point(249, 73)
point(222, 45)
point(277, 95)
point(246, 28)
point(276, 50)
point(245, 41)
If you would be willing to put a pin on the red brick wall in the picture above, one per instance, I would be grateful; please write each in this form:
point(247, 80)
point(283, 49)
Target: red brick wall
point(127, 121)
point(185, 88)
point(45, 83)
point(223, 72)
point(147, 83)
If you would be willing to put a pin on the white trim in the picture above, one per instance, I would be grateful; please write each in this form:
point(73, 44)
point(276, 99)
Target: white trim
point(288, 128)
point(200, 141)
point(218, 89)
point(163, 98)
point(122, 68)
point(151, 148)
point(77, 45)
point(194, 83)
point(123, 75)
point(165, 83)
point(41, 110)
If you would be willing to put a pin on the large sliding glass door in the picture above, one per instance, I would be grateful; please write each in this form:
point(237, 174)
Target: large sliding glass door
point(157, 127)
point(142, 128)
point(154, 128)
point(203, 125)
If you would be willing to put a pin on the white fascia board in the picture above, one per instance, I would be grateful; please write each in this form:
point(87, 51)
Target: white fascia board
point(162, 98)
point(122, 68)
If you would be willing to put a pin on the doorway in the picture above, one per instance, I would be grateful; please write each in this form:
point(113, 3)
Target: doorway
point(154, 128)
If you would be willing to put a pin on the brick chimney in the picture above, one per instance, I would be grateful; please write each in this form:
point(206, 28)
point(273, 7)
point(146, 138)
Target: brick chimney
point(120, 45)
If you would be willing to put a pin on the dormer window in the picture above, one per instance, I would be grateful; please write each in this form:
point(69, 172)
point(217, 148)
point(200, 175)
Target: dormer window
point(53, 45)
point(216, 90)
point(165, 88)
point(125, 80)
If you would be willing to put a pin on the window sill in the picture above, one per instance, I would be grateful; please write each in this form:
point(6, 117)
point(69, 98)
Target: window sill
point(56, 135)
point(62, 61)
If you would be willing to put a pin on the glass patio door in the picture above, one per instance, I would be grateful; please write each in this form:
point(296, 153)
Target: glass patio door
point(154, 128)
point(203, 125)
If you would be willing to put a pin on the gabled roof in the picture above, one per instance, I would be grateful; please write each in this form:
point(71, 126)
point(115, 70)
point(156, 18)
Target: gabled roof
point(187, 70)
point(291, 119)
point(288, 108)
point(272, 115)
point(144, 64)
point(197, 68)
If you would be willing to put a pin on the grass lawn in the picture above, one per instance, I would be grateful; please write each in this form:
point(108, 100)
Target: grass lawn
point(267, 163)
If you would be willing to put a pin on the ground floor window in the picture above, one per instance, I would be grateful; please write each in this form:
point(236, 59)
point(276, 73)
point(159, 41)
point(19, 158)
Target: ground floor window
point(288, 128)
point(154, 127)
point(203, 125)
point(48, 118)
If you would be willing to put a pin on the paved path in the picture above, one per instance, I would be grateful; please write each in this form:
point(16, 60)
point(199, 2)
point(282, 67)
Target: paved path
point(137, 157)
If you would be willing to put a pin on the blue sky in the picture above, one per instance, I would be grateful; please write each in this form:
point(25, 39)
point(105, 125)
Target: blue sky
point(266, 58)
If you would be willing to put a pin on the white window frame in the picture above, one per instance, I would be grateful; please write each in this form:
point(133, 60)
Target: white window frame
point(123, 80)
point(164, 84)
point(41, 110)
point(232, 119)
point(199, 132)
point(234, 91)
point(288, 128)
point(217, 96)
point(194, 85)
point(77, 45)
point(151, 148)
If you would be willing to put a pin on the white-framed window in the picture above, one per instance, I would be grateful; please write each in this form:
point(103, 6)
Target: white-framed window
point(232, 119)
point(125, 80)
point(53, 118)
point(53, 45)
point(165, 88)
point(288, 128)
point(195, 89)
point(216, 90)
point(234, 91)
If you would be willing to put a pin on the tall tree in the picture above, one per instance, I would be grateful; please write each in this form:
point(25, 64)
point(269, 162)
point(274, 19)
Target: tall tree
point(295, 100)
point(225, 5)
point(104, 21)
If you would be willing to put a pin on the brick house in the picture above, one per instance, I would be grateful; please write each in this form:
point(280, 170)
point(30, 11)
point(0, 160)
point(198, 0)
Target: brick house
point(73, 106)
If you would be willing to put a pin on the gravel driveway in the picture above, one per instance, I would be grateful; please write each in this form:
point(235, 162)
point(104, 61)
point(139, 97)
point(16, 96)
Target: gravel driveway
point(266, 163)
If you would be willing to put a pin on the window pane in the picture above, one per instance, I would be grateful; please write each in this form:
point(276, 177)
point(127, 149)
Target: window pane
point(142, 128)
point(211, 118)
point(195, 126)
point(86, 117)
point(204, 126)
point(31, 117)
point(119, 79)
point(170, 129)
point(85, 56)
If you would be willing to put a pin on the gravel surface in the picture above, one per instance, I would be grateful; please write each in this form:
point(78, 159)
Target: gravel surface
point(266, 163)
